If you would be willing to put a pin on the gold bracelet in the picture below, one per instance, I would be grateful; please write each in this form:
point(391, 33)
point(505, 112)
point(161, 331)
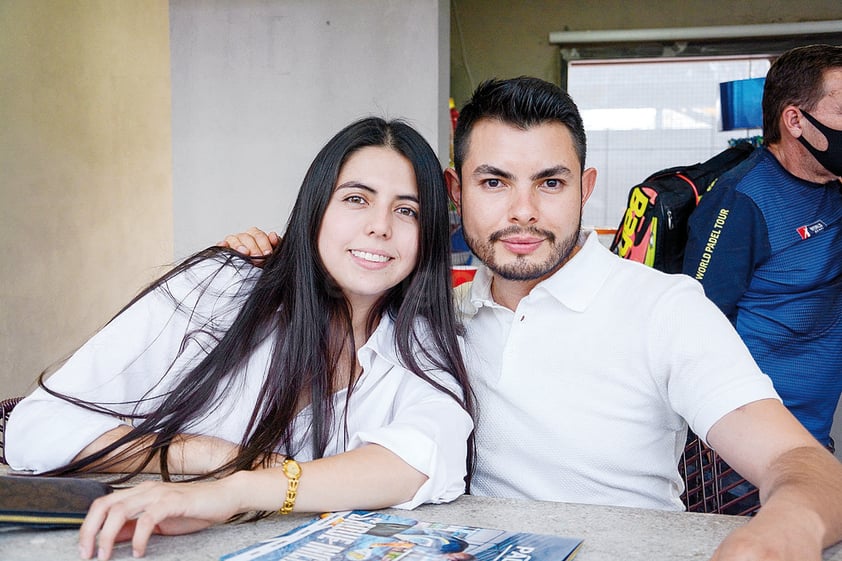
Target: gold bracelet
point(293, 472)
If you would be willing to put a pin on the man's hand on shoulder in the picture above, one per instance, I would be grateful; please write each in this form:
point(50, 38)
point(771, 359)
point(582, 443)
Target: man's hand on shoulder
point(253, 242)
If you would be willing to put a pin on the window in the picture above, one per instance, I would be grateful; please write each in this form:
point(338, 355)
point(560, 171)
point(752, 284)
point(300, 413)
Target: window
point(644, 115)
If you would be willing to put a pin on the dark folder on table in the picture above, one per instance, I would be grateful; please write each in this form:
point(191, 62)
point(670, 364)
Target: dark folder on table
point(59, 502)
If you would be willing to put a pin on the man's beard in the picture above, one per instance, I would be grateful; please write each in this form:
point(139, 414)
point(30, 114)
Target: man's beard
point(522, 269)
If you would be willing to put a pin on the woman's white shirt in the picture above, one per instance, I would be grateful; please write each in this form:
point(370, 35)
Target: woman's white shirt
point(126, 367)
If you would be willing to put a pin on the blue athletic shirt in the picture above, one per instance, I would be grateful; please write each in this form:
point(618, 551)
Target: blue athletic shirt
point(767, 247)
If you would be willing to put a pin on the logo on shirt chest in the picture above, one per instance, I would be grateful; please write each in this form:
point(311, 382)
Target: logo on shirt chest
point(811, 229)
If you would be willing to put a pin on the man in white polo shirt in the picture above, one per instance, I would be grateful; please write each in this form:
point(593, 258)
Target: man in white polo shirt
point(585, 366)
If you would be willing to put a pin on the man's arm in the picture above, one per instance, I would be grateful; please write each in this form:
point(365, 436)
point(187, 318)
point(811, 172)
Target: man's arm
point(800, 484)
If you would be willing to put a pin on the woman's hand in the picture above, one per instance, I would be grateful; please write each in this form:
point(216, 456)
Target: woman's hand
point(154, 508)
point(368, 477)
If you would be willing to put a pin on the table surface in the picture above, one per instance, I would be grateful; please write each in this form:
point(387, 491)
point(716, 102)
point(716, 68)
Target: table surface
point(609, 533)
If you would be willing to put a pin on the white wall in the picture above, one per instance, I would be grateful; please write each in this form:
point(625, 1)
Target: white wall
point(259, 86)
point(85, 162)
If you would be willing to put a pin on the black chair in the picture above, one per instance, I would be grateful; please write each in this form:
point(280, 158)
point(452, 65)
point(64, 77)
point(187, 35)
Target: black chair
point(6, 407)
point(711, 485)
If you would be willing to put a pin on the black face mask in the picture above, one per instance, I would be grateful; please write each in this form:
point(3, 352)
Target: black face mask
point(830, 159)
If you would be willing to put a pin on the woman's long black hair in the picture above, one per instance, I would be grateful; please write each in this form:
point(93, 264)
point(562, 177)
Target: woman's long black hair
point(298, 305)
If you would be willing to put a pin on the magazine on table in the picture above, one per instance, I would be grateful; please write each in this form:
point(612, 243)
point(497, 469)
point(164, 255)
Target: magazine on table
point(374, 536)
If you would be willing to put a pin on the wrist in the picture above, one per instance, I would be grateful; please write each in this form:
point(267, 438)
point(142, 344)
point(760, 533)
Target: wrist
point(258, 490)
point(292, 470)
point(244, 490)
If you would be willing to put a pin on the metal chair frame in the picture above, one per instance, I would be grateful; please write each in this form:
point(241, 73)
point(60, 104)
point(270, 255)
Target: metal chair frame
point(711, 485)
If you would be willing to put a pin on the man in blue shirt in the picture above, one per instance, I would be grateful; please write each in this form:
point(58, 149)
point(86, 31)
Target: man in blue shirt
point(766, 240)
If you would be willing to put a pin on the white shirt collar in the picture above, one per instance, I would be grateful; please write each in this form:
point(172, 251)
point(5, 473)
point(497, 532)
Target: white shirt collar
point(573, 284)
point(381, 342)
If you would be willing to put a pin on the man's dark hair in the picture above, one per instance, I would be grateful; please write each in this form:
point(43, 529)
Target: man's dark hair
point(523, 102)
point(796, 78)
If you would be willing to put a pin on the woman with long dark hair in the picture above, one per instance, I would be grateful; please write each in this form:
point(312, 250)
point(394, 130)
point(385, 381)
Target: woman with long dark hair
point(330, 379)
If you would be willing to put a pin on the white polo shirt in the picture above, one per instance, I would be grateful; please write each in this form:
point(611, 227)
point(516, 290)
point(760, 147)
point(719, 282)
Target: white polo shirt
point(584, 389)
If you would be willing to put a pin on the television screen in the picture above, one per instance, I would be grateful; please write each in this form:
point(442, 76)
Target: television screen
point(741, 104)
